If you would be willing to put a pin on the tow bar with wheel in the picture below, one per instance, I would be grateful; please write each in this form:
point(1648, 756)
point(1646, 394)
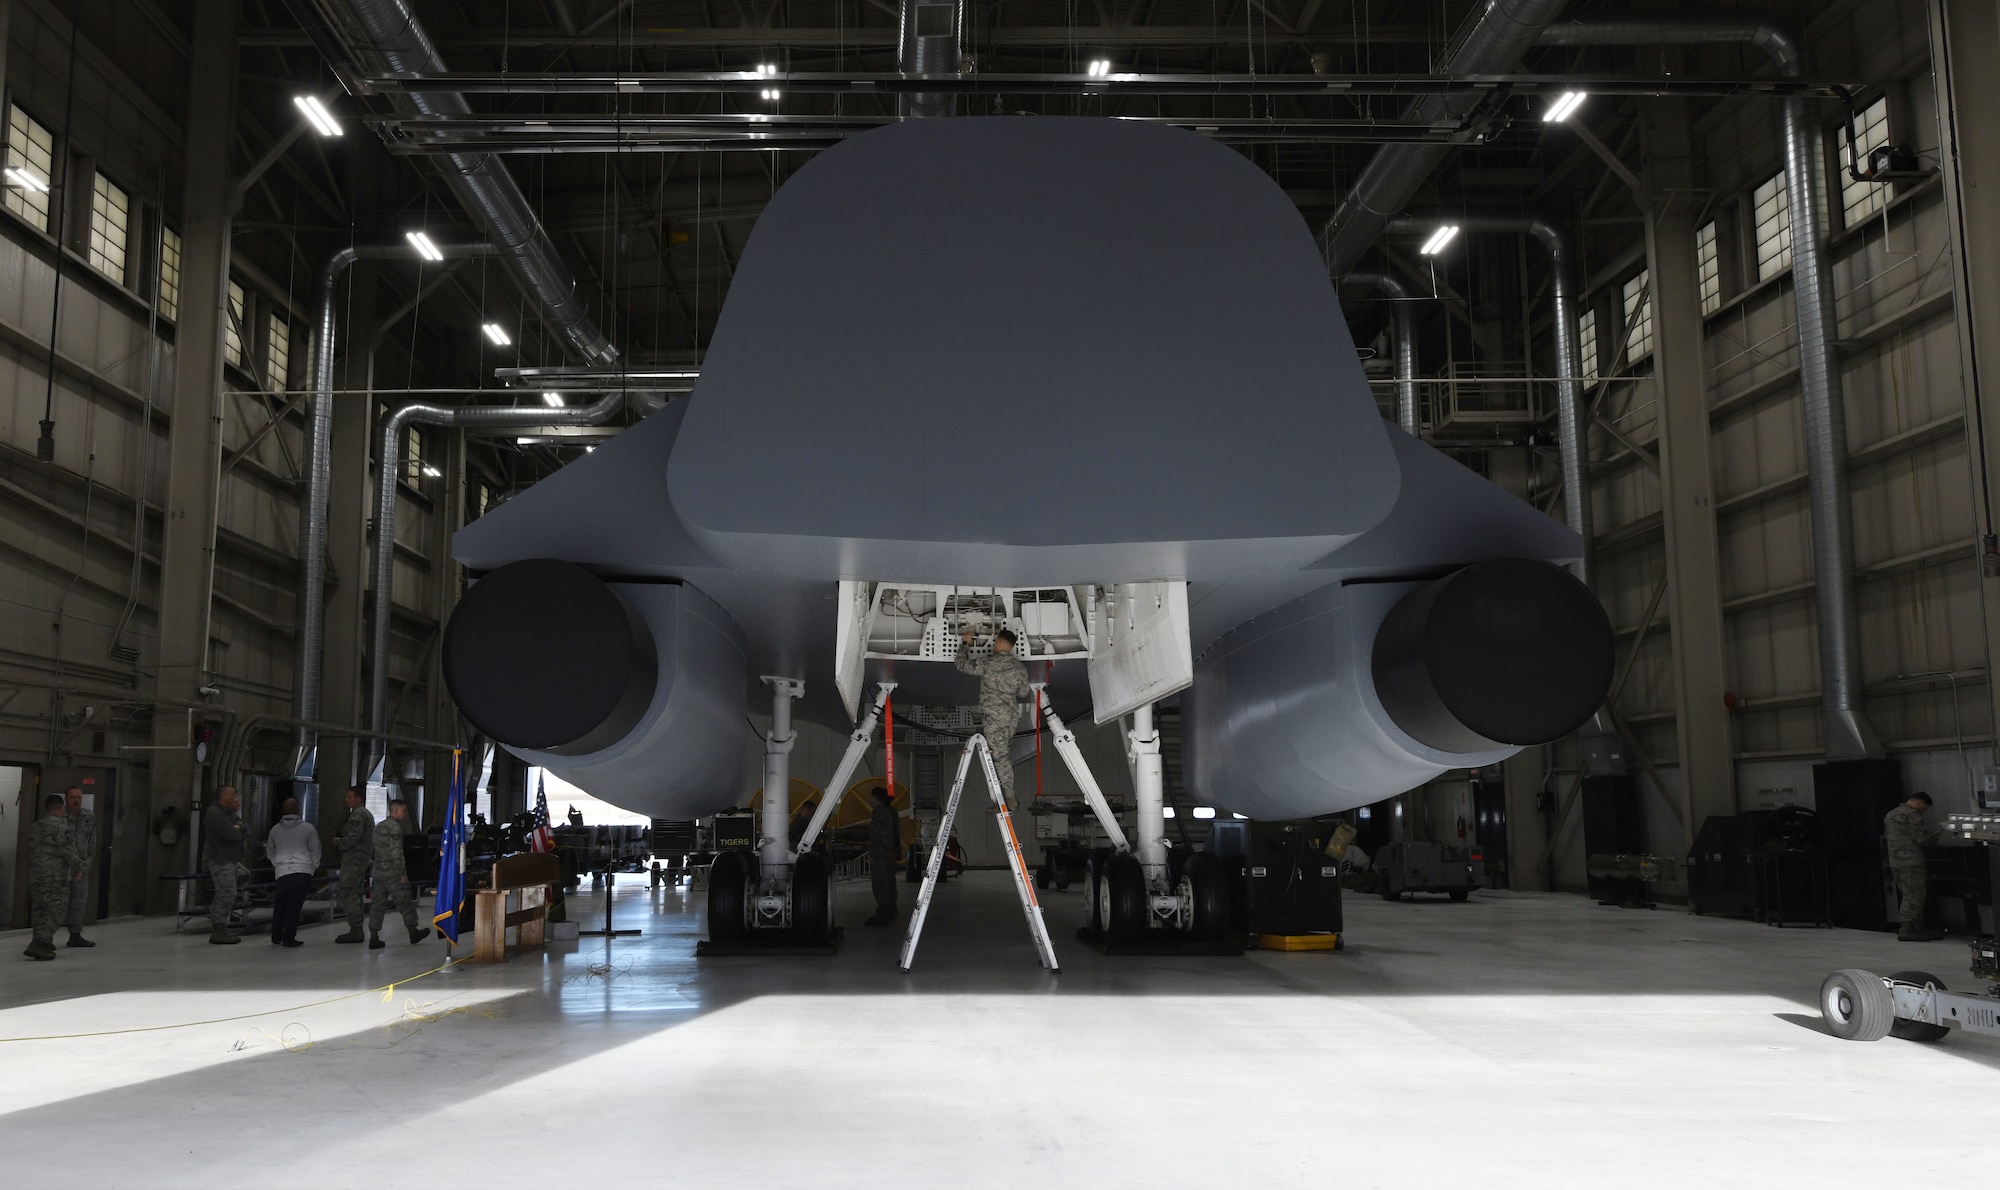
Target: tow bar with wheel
point(1915, 1005)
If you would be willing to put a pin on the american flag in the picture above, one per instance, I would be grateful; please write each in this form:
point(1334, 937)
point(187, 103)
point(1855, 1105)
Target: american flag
point(542, 838)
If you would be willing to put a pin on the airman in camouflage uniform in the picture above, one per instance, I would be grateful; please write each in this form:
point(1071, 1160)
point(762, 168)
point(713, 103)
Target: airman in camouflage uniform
point(1906, 834)
point(50, 859)
point(885, 839)
point(83, 841)
point(392, 878)
point(357, 846)
point(222, 853)
point(1002, 681)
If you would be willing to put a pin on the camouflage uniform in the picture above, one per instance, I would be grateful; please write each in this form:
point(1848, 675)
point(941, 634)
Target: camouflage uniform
point(222, 852)
point(1906, 833)
point(50, 857)
point(392, 879)
point(885, 838)
point(83, 841)
point(357, 842)
point(1002, 681)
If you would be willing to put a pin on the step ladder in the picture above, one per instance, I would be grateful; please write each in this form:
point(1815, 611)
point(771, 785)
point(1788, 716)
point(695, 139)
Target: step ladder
point(934, 870)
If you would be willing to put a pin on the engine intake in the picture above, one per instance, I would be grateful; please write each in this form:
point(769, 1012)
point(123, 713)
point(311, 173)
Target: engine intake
point(1510, 652)
point(542, 654)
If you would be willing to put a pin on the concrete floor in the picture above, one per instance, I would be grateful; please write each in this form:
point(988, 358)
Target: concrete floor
point(1518, 1039)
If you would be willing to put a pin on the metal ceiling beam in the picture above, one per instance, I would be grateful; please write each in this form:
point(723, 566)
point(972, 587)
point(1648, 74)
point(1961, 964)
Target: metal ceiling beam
point(740, 82)
point(874, 37)
point(682, 134)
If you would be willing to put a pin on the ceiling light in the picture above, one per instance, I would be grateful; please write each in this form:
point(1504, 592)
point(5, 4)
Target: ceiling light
point(431, 471)
point(1563, 107)
point(494, 333)
point(1204, 811)
point(422, 243)
point(588, 449)
point(767, 68)
point(26, 180)
point(1244, 817)
point(316, 114)
point(1166, 811)
point(552, 400)
point(1100, 67)
point(1439, 238)
point(770, 93)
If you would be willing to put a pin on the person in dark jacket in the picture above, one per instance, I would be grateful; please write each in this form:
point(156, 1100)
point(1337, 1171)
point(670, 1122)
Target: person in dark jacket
point(222, 853)
point(1904, 830)
point(885, 839)
point(802, 820)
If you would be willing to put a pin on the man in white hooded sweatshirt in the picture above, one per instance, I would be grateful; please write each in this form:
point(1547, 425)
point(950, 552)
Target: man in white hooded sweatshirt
point(293, 848)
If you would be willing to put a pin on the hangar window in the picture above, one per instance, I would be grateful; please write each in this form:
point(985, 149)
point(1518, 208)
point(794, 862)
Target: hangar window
point(170, 274)
point(232, 327)
point(278, 354)
point(110, 215)
point(1586, 334)
point(31, 154)
point(1638, 317)
point(1771, 213)
point(1708, 268)
point(1859, 200)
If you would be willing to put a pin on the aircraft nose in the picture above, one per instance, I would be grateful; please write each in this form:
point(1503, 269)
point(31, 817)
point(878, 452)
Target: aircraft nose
point(1509, 652)
point(542, 654)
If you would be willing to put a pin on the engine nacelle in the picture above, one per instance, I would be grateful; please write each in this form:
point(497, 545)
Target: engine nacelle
point(1362, 690)
point(633, 690)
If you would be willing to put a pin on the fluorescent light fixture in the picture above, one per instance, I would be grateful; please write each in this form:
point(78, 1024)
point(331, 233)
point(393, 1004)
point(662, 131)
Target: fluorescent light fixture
point(1244, 817)
point(496, 334)
point(552, 400)
point(526, 441)
point(431, 471)
point(1563, 107)
point(322, 120)
point(1439, 238)
point(422, 243)
point(1204, 811)
point(1100, 68)
point(26, 180)
point(1166, 811)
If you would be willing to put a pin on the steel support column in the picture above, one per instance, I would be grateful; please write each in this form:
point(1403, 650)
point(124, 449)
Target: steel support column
point(1694, 586)
point(1965, 43)
point(194, 449)
point(448, 513)
point(347, 530)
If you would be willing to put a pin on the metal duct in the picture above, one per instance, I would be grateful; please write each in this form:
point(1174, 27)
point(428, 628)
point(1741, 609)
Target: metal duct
point(1406, 343)
point(1570, 429)
point(1849, 735)
point(307, 670)
point(481, 182)
point(1493, 41)
point(928, 44)
point(386, 473)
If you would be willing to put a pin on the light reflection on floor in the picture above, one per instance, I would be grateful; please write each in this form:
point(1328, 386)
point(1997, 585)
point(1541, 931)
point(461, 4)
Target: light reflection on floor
point(1513, 1040)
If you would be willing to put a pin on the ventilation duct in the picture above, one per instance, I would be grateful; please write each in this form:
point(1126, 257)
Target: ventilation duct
point(1569, 353)
point(1491, 43)
point(386, 482)
point(928, 44)
point(482, 184)
point(1848, 732)
point(1406, 343)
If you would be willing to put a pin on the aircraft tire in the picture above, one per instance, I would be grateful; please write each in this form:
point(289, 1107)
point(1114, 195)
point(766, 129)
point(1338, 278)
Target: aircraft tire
point(728, 893)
